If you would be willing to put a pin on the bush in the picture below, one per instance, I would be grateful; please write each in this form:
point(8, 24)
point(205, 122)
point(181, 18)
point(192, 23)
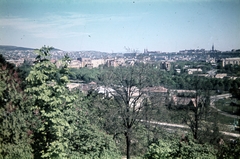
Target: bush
point(185, 149)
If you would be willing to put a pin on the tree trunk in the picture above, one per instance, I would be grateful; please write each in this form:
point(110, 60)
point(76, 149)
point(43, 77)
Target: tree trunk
point(196, 124)
point(128, 143)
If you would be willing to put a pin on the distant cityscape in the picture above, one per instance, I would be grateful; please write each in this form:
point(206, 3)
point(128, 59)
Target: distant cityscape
point(92, 59)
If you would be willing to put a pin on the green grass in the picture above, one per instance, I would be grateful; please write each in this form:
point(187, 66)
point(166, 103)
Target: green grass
point(225, 105)
point(225, 119)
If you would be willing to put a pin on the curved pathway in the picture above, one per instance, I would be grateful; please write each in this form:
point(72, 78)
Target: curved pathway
point(187, 127)
point(224, 113)
point(223, 96)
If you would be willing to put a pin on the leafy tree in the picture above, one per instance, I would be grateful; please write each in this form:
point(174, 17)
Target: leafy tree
point(84, 74)
point(227, 84)
point(185, 148)
point(50, 101)
point(3, 62)
point(15, 116)
point(64, 129)
point(88, 140)
point(230, 150)
point(23, 71)
point(160, 150)
point(235, 88)
point(230, 69)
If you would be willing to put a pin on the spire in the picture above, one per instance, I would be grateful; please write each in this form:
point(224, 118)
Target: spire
point(212, 47)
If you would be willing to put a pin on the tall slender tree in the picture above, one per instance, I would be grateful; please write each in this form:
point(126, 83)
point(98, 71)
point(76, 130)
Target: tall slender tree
point(125, 85)
point(198, 114)
point(50, 101)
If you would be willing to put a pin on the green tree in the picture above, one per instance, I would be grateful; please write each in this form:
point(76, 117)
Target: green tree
point(88, 140)
point(85, 74)
point(186, 148)
point(46, 85)
point(230, 150)
point(235, 88)
point(23, 71)
point(15, 116)
point(64, 129)
point(4, 63)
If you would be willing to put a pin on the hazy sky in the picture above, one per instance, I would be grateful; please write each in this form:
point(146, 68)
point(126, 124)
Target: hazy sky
point(113, 25)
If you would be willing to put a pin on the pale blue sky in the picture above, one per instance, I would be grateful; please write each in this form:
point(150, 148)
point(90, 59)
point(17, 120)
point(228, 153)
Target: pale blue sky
point(112, 25)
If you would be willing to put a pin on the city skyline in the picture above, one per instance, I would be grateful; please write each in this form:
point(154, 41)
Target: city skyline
point(119, 26)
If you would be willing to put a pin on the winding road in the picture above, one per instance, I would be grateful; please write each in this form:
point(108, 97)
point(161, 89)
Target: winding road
point(222, 96)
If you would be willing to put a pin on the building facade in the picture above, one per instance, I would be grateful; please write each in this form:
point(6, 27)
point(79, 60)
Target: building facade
point(233, 61)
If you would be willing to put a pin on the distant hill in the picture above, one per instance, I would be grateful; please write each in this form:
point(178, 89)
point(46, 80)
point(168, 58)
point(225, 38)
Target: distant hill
point(12, 48)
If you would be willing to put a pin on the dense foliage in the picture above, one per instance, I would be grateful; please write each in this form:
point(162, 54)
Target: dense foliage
point(50, 98)
point(233, 70)
point(230, 150)
point(171, 79)
point(84, 74)
point(14, 115)
point(186, 148)
point(46, 120)
point(41, 118)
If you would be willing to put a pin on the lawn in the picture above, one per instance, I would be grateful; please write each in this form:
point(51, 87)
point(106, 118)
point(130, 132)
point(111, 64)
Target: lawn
point(230, 106)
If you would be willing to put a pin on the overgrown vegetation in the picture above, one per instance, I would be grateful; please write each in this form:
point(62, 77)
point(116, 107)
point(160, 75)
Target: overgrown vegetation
point(46, 120)
point(41, 118)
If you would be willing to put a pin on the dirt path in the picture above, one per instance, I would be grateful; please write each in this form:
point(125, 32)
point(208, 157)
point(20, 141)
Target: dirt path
point(225, 113)
point(186, 127)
